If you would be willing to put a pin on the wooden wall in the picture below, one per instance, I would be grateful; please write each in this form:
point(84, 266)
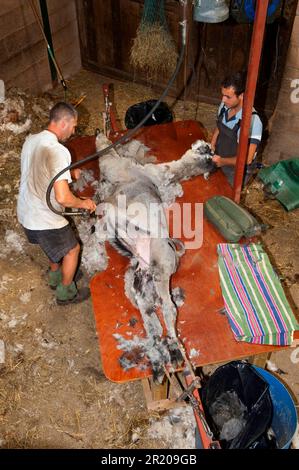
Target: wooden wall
point(23, 54)
point(284, 136)
point(108, 27)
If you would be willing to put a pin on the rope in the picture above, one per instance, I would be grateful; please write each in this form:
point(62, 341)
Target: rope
point(153, 12)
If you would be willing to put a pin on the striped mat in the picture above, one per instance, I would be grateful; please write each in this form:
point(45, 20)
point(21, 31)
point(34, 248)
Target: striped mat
point(255, 302)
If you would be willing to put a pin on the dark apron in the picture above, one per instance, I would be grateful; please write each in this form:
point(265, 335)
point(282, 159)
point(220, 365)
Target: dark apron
point(227, 146)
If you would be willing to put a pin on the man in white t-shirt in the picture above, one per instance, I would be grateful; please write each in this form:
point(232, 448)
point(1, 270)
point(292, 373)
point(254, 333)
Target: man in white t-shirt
point(42, 157)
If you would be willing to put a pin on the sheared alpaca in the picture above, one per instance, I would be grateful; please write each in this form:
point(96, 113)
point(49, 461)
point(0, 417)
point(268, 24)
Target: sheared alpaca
point(129, 191)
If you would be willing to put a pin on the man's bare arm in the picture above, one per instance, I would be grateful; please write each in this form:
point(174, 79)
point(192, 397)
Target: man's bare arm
point(214, 138)
point(66, 198)
point(251, 153)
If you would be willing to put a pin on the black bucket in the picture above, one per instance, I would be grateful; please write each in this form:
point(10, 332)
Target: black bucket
point(138, 111)
point(238, 406)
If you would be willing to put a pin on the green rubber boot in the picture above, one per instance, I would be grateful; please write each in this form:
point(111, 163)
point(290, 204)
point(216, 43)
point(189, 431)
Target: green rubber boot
point(55, 277)
point(70, 294)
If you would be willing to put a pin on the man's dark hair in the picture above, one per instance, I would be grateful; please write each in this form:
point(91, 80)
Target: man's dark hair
point(236, 81)
point(62, 110)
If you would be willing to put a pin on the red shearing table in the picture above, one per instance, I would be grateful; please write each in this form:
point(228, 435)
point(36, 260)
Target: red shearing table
point(200, 324)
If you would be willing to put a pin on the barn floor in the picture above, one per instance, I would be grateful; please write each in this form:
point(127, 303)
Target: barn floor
point(53, 393)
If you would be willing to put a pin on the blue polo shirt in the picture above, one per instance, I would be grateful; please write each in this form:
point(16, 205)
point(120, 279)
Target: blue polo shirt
point(256, 128)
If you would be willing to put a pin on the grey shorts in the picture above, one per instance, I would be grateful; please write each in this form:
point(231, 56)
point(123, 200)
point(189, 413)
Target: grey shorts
point(55, 243)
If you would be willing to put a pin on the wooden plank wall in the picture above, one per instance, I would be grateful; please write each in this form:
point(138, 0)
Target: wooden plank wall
point(284, 137)
point(23, 54)
point(108, 27)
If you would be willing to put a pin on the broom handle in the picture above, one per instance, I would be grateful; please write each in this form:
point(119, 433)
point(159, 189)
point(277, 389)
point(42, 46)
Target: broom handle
point(59, 73)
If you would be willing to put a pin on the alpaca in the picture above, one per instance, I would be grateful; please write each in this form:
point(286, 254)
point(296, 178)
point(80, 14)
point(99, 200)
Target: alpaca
point(133, 197)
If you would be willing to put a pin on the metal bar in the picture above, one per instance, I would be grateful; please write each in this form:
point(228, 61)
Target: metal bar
point(110, 117)
point(187, 14)
point(252, 74)
point(205, 432)
point(188, 393)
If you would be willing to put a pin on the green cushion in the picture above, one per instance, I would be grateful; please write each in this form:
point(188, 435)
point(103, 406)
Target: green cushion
point(231, 219)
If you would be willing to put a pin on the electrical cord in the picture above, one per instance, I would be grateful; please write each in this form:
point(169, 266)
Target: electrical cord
point(121, 139)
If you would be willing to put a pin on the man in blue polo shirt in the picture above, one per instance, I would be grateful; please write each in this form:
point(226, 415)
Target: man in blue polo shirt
point(225, 139)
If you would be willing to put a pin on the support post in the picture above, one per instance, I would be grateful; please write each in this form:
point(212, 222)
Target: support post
point(252, 74)
point(260, 360)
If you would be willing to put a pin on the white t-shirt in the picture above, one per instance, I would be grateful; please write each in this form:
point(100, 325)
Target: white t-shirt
point(42, 158)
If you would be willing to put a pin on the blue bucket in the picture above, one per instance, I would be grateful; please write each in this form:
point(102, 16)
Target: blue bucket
point(284, 420)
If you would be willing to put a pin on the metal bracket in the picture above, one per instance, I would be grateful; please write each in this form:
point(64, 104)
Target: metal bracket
point(189, 390)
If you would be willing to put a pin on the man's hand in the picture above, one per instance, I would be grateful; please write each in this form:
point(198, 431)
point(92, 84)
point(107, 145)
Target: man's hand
point(224, 161)
point(76, 173)
point(218, 160)
point(88, 204)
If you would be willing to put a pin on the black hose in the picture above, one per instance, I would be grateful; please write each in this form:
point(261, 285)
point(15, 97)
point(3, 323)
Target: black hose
point(124, 137)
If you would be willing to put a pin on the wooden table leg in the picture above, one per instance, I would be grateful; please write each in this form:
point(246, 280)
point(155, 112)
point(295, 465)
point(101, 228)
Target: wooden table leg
point(158, 396)
point(259, 360)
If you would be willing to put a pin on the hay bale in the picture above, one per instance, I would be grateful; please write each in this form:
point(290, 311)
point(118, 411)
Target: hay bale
point(153, 51)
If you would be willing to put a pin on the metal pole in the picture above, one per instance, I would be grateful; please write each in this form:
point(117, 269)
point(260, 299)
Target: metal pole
point(252, 74)
point(186, 13)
